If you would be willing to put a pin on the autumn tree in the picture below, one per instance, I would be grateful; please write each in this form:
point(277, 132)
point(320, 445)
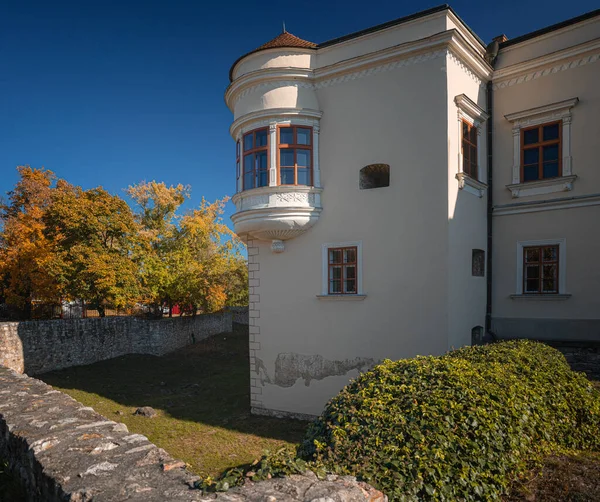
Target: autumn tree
point(26, 252)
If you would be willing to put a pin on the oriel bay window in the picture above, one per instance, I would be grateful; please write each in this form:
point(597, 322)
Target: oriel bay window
point(295, 154)
point(342, 271)
point(469, 149)
point(255, 159)
point(541, 152)
point(540, 269)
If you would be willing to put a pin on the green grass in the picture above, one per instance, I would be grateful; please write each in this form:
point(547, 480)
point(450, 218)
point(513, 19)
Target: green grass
point(201, 394)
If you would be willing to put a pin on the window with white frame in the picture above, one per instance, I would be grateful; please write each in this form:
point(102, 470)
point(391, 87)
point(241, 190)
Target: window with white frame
point(471, 157)
point(342, 270)
point(542, 149)
point(541, 269)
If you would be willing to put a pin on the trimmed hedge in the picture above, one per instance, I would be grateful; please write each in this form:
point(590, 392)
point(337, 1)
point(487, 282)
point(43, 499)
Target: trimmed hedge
point(459, 427)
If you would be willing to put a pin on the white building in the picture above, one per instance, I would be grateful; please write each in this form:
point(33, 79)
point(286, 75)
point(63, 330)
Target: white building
point(374, 173)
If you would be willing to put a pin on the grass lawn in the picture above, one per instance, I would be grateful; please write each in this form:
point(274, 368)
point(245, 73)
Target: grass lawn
point(201, 394)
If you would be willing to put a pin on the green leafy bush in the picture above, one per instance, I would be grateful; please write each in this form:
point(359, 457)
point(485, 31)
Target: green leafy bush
point(459, 427)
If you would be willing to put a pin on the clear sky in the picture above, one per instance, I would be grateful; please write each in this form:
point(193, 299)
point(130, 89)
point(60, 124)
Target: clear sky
point(112, 92)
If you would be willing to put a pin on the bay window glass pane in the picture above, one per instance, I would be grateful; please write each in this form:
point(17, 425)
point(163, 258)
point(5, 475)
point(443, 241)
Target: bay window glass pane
point(303, 176)
point(532, 255)
point(263, 178)
point(531, 156)
point(531, 136)
point(249, 163)
point(303, 158)
point(237, 169)
point(286, 135)
point(530, 173)
point(335, 256)
point(550, 153)
point(550, 132)
point(248, 142)
point(350, 255)
point(551, 169)
point(286, 157)
point(248, 180)
point(237, 149)
point(550, 253)
point(532, 285)
point(287, 175)
point(261, 160)
point(303, 136)
point(261, 138)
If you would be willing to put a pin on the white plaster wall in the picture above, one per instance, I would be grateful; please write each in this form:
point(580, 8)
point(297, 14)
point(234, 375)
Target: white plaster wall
point(275, 58)
point(467, 218)
point(287, 94)
point(404, 230)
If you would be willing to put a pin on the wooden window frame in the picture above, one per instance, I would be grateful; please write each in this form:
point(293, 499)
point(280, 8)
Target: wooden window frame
point(254, 150)
point(540, 146)
point(343, 265)
point(541, 264)
point(468, 141)
point(295, 146)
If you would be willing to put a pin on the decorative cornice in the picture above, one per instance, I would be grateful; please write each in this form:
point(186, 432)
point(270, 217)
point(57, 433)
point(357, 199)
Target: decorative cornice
point(550, 64)
point(266, 117)
point(547, 205)
point(471, 108)
point(465, 182)
point(558, 108)
point(541, 187)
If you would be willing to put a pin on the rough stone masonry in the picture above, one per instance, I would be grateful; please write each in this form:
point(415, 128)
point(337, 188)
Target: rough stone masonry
point(63, 451)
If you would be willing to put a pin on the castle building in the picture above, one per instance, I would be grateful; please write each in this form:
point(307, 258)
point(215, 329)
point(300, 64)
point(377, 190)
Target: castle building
point(406, 189)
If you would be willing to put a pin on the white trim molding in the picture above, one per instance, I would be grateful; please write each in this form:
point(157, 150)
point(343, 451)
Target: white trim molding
point(325, 268)
point(547, 204)
point(560, 110)
point(470, 112)
point(562, 268)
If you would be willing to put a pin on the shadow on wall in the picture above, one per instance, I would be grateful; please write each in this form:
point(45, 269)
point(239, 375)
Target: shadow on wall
point(208, 383)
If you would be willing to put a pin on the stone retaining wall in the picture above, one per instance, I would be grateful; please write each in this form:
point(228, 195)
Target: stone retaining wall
point(240, 314)
point(583, 356)
point(35, 347)
point(63, 451)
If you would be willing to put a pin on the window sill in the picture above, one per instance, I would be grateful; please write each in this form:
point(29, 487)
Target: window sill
point(543, 298)
point(342, 298)
point(560, 184)
point(468, 184)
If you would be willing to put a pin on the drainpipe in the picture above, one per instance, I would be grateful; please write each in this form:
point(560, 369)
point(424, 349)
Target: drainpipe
point(490, 199)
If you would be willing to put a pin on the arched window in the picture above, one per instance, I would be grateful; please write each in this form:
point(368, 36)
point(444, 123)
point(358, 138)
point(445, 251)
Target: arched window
point(374, 176)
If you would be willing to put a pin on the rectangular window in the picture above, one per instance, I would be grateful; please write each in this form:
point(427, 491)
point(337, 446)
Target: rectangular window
point(295, 153)
point(478, 263)
point(469, 149)
point(541, 152)
point(540, 269)
point(342, 266)
point(255, 159)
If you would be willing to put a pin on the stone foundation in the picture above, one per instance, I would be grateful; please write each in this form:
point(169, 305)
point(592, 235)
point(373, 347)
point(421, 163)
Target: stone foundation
point(35, 347)
point(62, 451)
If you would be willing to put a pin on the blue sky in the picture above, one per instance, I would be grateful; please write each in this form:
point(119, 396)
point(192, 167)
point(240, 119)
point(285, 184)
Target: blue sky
point(114, 92)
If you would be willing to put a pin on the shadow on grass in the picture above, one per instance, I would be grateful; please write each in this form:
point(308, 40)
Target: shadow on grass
point(208, 383)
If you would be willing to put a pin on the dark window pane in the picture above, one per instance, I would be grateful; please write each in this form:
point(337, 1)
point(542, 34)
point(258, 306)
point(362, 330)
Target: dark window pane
point(550, 253)
point(336, 272)
point(303, 158)
point(530, 173)
point(550, 169)
point(532, 255)
point(287, 175)
point(286, 135)
point(465, 130)
point(248, 142)
point(473, 172)
point(531, 136)
point(263, 179)
point(248, 181)
point(303, 136)
point(351, 272)
point(532, 272)
point(466, 164)
point(349, 255)
point(261, 160)
point(286, 157)
point(350, 286)
point(237, 169)
point(335, 287)
point(237, 149)
point(261, 138)
point(303, 176)
point(531, 156)
point(532, 286)
point(473, 156)
point(335, 256)
point(549, 271)
point(473, 135)
point(549, 286)
point(550, 153)
point(550, 132)
point(249, 163)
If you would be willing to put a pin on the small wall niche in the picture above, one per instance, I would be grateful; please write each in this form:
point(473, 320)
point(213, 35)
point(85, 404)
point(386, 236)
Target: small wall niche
point(478, 263)
point(374, 176)
point(477, 335)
